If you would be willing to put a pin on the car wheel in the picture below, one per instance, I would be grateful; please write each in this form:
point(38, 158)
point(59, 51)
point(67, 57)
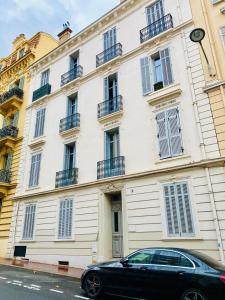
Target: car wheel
point(93, 285)
point(193, 294)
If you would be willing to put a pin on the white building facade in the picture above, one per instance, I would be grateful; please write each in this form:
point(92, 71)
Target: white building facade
point(120, 150)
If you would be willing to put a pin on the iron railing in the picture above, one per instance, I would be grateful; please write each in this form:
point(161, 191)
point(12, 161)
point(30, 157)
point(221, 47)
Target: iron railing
point(111, 167)
point(69, 122)
point(108, 54)
point(5, 176)
point(42, 91)
point(66, 177)
point(13, 92)
point(10, 131)
point(161, 25)
point(110, 106)
point(71, 75)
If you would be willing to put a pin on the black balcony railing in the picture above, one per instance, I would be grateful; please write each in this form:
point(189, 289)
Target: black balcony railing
point(69, 122)
point(8, 131)
point(5, 176)
point(156, 28)
point(42, 91)
point(110, 106)
point(13, 92)
point(111, 167)
point(71, 75)
point(66, 177)
point(108, 54)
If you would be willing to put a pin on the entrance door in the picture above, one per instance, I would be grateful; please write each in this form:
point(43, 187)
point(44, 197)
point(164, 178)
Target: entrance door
point(117, 232)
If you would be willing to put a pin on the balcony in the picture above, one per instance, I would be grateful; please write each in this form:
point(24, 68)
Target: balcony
point(5, 176)
point(70, 125)
point(8, 136)
point(11, 99)
point(108, 54)
point(110, 108)
point(41, 92)
point(111, 167)
point(71, 75)
point(66, 177)
point(156, 28)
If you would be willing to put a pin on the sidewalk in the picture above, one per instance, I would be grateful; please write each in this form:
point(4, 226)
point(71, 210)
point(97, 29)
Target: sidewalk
point(46, 268)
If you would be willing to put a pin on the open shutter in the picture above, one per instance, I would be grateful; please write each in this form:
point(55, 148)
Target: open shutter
point(37, 124)
point(33, 158)
point(21, 82)
point(15, 119)
point(67, 157)
point(106, 89)
point(174, 131)
point(113, 37)
point(37, 173)
point(164, 149)
point(146, 75)
point(166, 67)
point(42, 121)
point(184, 208)
point(107, 146)
point(171, 210)
point(8, 162)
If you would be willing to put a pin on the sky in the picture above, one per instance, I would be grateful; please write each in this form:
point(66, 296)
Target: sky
point(31, 16)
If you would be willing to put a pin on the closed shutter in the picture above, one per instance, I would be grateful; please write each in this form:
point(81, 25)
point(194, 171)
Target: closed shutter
point(166, 67)
point(21, 82)
point(15, 119)
point(110, 38)
point(8, 162)
point(35, 170)
point(154, 12)
point(146, 75)
point(40, 121)
point(44, 77)
point(174, 132)
point(29, 219)
point(65, 219)
point(164, 148)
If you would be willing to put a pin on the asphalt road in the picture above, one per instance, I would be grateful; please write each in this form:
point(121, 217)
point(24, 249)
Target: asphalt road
point(21, 284)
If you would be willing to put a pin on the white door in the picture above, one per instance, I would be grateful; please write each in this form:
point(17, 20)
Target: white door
point(117, 232)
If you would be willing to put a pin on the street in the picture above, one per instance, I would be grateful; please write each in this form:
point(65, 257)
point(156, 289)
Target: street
point(21, 284)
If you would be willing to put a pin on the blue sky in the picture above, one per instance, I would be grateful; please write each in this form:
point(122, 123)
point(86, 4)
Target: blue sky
point(31, 16)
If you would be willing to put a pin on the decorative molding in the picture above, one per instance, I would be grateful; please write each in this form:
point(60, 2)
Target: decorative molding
point(111, 117)
point(37, 142)
point(70, 132)
point(165, 94)
point(213, 85)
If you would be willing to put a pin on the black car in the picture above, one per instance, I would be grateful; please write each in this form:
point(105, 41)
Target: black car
point(157, 273)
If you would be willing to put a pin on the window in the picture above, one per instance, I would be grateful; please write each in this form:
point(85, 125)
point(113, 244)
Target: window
point(35, 170)
point(72, 105)
point(178, 209)
point(65, 219)
point(215, 1)
point(156, 71)
point(171, 258)
point(154, 12)
point(222, 33)
point(40, 122)
point(143, 257)
point(21, 53)
point(8, 161)
point(109, 38)
point(44, 77)
point(169, 133)
point(70, 156)
point(74, 61)
point(28, 228)
point(110, 87)
point(112, 144)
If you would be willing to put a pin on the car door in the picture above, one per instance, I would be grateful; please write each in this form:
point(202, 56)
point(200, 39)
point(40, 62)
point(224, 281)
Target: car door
point(172, 270)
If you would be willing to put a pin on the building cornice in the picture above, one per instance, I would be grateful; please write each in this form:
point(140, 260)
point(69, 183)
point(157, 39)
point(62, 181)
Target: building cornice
point(217, 162)
point(214, 85)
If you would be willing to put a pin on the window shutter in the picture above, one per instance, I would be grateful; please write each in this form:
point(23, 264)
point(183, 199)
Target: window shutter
point(37, 124)
point(65, 219)
point(35, 170)
point(146, 75)
point(166, 67)
point(117, 144)
point(42, 121)
point(29, 219)
point(44, 77)
point(15, 119)
point(106, 89)
point(184, 209)
point(107, 146)
point(174, 131)
point(113, 33)
point(8, 162)
point(164, 149)
point(21, 82)
point(66, 157)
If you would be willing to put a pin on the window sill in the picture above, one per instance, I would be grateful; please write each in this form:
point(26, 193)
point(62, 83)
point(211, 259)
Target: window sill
point(37, 142)
point(27, 241)
point(182, 238)
point(180, 157)
point(33, 188)
point(64, 240)
point(167, 93)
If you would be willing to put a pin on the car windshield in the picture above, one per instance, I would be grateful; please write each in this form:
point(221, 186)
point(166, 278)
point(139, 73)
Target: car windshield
point(207, 259)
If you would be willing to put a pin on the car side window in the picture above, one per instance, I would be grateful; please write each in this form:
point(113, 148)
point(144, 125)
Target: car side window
point(171, 258)
point(142, 257)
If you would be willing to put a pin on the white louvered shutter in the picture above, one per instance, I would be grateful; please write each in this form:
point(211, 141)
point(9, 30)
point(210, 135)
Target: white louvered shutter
point(40, 121)
point(65, 219)
point(35, 170)
point(174, 132)
point(166, 67)
point(29, 219)
point(146, 75)
point(164, 148)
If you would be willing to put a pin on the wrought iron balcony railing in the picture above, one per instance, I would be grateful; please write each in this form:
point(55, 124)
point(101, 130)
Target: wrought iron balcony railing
point(42, 91)
point(13, 92)
point(71, 75)
point(69, 122)
point(108, 54)
point(156, 28)
point(8, 131)
point(110, 106)
point(5, 176)
point(66, 177)
point(111, 167)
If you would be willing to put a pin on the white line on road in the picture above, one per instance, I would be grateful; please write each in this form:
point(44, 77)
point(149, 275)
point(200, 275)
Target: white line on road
point(34, 285)
point(81, 297)
point(18, 281)
point(56, 291)
point(3, 278)
point(31, 288)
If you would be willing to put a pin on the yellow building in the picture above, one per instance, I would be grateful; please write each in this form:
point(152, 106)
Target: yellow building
point(14, 92)
point(210, 15)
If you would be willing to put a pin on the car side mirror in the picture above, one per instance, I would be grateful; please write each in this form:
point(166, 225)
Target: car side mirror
point(124, 261)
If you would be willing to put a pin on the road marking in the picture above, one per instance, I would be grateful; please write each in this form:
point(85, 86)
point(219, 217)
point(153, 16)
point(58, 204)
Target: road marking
point(31, 288)
point(3, 278)
point(17, 281)
point(36, 286)
point(56, 291)
point(81, 297)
